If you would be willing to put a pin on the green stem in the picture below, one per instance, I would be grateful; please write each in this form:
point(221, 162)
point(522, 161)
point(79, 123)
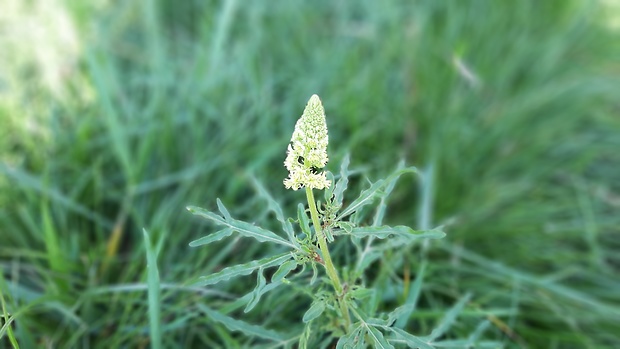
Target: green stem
point(329, 265)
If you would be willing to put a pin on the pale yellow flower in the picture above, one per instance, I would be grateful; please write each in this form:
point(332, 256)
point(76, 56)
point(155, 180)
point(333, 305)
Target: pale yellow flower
point(307, 152)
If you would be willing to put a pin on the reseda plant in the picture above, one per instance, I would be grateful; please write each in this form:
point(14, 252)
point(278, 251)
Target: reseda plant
point(344, 310)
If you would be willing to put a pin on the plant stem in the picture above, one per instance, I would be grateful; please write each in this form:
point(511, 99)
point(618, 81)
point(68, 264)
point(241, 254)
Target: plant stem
point(329, 265)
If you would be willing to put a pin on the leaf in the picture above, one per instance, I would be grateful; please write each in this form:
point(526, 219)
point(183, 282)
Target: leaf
point(243, 228)
point(365, 198)
point(399, 231)
point(275, 208)
point(304, 222)
point(257, 292)
point(360, 292)
point(316, 309)
point(241, 326)
point(315, 273)
point(368, 195)
point(367, 258)
point(353, 340)
point(411, 340)
point(449, 318)
point(223, 210)
point(342, 183)
point(217, 236)
point(284, 270)
point(242, 269)
point(378, 339)
point(380, 211)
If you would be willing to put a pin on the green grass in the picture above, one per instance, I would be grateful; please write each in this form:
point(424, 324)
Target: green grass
point(169, 104)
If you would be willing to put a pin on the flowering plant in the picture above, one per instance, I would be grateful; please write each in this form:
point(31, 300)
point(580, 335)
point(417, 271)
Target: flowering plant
point(342, 311)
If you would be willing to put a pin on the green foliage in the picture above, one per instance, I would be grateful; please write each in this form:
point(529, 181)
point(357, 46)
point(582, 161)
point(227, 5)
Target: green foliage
point(323, 318)
point(508, 108)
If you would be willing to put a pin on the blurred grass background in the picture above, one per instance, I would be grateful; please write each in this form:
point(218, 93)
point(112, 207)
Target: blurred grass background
point(116, 115)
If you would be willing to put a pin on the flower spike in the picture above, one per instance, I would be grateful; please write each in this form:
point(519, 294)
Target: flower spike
point(307, 152)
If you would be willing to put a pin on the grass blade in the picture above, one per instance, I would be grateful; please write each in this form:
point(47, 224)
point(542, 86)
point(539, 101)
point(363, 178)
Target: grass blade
point(153, 293)
point(402, 314)
point(449, 318)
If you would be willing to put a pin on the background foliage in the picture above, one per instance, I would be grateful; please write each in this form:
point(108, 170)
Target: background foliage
point(116, 115)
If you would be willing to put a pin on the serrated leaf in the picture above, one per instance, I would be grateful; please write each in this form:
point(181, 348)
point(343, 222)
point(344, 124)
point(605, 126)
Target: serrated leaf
point(243, 228)
point(411, 340)
point(217, 236)
point(242, 269)
point(316, 309)
point(449, 318)
point(284, 270)
point(241, 326)
point(378, 339)
point(399, 231)
point(275, 208)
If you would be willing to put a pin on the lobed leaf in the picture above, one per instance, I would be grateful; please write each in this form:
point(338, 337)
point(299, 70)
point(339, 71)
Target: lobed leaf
point(342, 183)
point(400, 231)
point(223, 210)
point(242, 269)
point(411, 340)
point(368, 195)
point(241, 326)
point(355, 339)
point(284, 270)
point(378, 339)
point(256, 293)
point(217, 236)
point(380, 211)
point(243, 228)
point(275, 208)
point(365, 198)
